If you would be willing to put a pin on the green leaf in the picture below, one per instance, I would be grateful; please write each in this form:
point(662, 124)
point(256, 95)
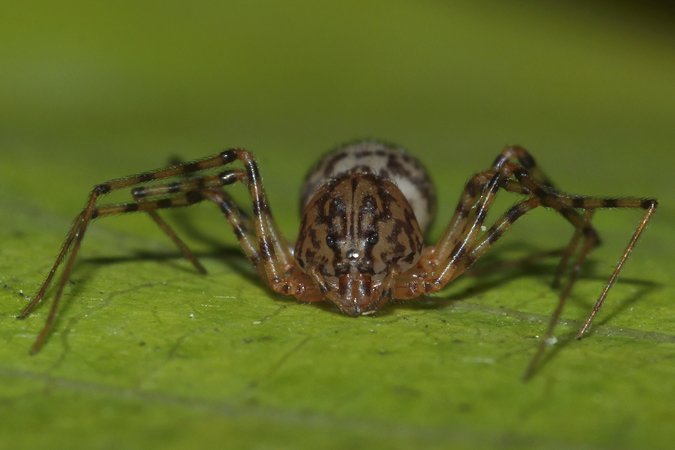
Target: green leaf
point(147, 353)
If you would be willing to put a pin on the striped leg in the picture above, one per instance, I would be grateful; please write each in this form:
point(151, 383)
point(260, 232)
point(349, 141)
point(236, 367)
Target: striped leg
point(566, 205)
point(187, 253)
point(445, 261)
point(194, 190)
point(457, 248)
point(257, 237)
point(571, 248)
point(460, 246)
point(477, 186)
point(74, 238)
point(263, 244)
point(518, 155)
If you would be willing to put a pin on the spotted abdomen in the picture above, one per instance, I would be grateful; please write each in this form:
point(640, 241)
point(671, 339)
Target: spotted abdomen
point(384, 161)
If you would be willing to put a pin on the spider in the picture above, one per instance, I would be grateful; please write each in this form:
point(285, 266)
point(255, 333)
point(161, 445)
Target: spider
point(365, 208)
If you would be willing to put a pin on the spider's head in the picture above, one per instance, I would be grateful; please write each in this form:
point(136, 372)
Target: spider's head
point(357, 233)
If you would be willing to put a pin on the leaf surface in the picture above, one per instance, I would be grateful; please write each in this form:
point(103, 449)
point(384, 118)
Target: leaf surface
point(147, 353)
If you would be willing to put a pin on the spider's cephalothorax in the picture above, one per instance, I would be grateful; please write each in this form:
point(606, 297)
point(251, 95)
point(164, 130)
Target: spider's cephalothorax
point(365, 208)
point(360, 208)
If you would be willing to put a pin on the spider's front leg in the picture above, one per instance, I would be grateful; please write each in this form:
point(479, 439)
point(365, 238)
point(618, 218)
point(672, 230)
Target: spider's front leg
point(74, 238)
point(271, 253)
point(259, 237)
point(460, 246)
point(264, 245)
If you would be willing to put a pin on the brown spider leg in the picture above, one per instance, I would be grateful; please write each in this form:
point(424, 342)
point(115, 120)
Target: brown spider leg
point(294, 281)
point(234, 215)
point(187, 253)
point(650, 205)
point(430, 275)
point(160, 191)
point(589, 243)
point(462, 217)
point(74, 238)
point(500, 227)
point(282, 247)
point(442, 263)
point(525, 159)
point(73, 243)
point(279, 267)
point(476, 248)
point(564, 203)
point(479, 247)
point(571, 248)
point(518, 154)
point(76, 232)
point(473, 218)
point(274, 250)
point(466, 211)
point(185, 197)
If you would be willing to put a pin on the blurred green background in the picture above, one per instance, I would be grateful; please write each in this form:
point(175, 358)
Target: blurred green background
point(149, 354)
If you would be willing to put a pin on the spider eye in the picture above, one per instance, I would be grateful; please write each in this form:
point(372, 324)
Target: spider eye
point(331, 241)
point(373, 238)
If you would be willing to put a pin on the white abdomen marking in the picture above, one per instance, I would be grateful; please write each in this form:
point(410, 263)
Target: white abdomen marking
point(384, 161)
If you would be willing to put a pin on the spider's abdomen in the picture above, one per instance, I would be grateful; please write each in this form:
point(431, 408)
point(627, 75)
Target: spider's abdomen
point(384, 161)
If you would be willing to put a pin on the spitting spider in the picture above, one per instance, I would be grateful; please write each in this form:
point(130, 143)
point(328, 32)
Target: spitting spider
point(365, 208)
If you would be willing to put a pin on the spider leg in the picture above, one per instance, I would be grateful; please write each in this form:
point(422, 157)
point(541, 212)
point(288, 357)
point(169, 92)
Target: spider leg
point(187, 253)
point(518, 155)
point(465, 214)
point(566, 205)
point(555, 317)
point(649, 205)
point(275, 261)
point(72, 243)
point(255, 245)
point(74, 238)
point(162, 192)
point(571, 248)
point(270, 247)
point(460, 246)
point(480, 246)
point(260, 238)
point(443, 262)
